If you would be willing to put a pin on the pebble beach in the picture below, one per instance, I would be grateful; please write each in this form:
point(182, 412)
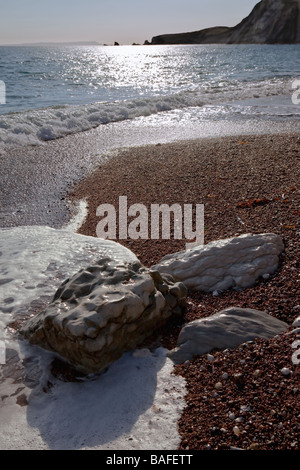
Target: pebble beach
point(247, 398)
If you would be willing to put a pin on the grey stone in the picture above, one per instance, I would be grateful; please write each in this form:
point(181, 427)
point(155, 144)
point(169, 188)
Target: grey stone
point(103, 311)
point(234, 262)
point(226, 329)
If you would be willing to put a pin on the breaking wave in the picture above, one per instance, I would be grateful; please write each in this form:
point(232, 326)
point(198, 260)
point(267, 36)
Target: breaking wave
point(35, 126)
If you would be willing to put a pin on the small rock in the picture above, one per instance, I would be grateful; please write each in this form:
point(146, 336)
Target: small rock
point(238, 378)
point(218, 386)
point(285, 371)
point(297, 321)
point(295, 331)
point(240, 419)
point(257, 373)
point(236, 431)
point(215, 293)
point(254, 446)
point(231, 416)
point(225, 376)
point(210, 357)
point(244, 408)
point(266, 276)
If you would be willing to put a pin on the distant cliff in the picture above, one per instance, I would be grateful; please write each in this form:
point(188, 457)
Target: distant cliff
point(270, 22)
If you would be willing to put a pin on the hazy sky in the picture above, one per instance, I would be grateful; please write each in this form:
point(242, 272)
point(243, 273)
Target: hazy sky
point(106, 21)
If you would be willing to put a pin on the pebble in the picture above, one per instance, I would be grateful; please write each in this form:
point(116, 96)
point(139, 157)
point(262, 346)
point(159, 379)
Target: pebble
point(257, 373)
point(238, 378)
point(254, 446)
point(218, 386)
point(297, 321)
point(240, 419)
point(236, 431)
point(231, 416)
point(244, 408)
point(225, 376)
point(285, 371)
point(210, 357)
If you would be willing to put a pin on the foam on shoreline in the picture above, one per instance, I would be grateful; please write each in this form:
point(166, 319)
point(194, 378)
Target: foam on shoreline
point(33, 127)
point(135, 405)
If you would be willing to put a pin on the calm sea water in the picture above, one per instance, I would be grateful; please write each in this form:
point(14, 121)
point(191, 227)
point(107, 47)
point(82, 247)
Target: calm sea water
point(58, 90)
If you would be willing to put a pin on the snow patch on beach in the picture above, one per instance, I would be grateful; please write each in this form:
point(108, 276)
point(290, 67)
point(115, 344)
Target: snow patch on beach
point(135, 404)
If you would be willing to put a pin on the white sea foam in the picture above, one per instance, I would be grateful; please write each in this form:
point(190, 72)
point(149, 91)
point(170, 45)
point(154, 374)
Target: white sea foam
point(135, 405)
point(36, 126)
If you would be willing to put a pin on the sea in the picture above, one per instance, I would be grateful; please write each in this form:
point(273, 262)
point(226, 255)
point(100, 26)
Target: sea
point(53, 91)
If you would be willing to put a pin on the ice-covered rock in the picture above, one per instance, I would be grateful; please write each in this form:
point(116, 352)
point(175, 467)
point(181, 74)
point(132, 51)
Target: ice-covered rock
point(226, 329)
point(103, 311)
point(222, 264)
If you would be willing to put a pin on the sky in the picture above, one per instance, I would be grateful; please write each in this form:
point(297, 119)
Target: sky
point(106, 21)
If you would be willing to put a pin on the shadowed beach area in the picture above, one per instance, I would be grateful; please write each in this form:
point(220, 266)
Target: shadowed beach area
point(248, 184)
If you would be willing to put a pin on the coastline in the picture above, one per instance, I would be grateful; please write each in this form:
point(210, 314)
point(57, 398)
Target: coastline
point(225, 174)
point(220, 172)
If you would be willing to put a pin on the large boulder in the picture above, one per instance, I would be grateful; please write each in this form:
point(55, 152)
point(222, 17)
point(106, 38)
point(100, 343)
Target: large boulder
point(103, 311)
point(235, 262)
point(226, 329)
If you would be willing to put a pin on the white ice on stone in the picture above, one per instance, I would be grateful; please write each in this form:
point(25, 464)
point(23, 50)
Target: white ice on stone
point(136, 404)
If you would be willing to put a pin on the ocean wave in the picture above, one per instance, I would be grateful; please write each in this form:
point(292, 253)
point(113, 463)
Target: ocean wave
point(36, 126)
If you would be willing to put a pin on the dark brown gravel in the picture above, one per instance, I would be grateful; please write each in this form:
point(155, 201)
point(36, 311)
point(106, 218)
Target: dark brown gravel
point(247, 184)
point(255, 408)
